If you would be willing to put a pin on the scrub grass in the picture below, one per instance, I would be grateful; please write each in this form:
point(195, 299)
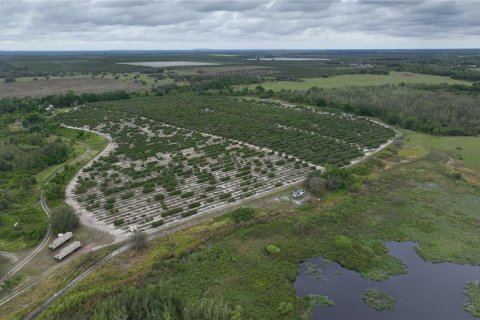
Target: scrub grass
point(402, 198)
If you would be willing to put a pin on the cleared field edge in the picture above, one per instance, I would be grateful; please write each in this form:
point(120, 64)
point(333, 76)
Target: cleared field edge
point(44, 87)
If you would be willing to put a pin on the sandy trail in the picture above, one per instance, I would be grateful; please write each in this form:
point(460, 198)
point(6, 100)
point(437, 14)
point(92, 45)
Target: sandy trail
point(86, 217)
point(9, 255)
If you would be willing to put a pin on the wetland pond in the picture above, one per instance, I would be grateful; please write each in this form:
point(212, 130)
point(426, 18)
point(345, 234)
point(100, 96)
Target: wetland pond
point(427, 291)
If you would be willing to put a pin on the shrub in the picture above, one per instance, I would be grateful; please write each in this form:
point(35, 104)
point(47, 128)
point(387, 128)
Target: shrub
point(335, 178)
point(224, 195)
point(189, 213)
point(159, 197)
point(285, 308)
point(108, 206)
point(148, 189)
point(157, 223)
point(272, 249)
point(243, 214)
point(64, 219)
point(316, 185)
point(127, 195)
point(138, 240)
point(187, 194)
point(210, 188)
point(455, 175)
point(194, 205)
point(118, 222)
point(171, 212)
point(301, 226)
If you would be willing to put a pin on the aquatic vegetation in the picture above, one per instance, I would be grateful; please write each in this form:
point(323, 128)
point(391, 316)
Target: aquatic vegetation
point(378, 300)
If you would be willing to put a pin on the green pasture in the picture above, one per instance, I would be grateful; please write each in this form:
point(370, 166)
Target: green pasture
point(393, 78)
point(466, 149)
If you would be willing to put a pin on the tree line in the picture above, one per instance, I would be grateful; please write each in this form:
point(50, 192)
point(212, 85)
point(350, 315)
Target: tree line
point(435, 111)
point(28, 104)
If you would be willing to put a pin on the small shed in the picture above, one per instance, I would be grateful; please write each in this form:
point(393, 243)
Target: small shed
point(298, 193)
point(72, 247)
point(61, 239)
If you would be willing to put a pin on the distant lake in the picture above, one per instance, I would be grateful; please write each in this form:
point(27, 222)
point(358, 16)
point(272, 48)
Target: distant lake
point(289, 59)
point(160, 64)
point(428, 291)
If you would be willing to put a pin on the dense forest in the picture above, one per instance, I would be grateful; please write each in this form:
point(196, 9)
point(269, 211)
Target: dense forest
point(70, 99)
point(439, 112)
point(28, 145)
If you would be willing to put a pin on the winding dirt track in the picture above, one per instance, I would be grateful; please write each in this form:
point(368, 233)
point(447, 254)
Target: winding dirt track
point(18, 266)
point(32, 254)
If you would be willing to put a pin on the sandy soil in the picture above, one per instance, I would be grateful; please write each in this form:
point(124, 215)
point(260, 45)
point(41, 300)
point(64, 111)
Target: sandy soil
point(87, 218)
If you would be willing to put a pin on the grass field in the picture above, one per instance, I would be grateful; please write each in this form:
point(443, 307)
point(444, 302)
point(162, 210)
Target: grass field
point(359, 80)
point(405, 197)
point(466, 149)
point(210, 70)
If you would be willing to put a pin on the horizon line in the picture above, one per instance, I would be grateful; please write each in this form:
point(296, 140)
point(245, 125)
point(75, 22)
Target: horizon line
point(252, 49)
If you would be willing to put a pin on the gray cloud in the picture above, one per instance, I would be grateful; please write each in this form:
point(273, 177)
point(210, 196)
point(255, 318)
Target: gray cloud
point(103, 24)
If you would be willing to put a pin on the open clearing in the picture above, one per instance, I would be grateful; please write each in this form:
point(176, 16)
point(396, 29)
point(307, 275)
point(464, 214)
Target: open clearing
point(466, 149)
point(359, 80)
point(220, 69)
point(58, 86)
point(206, 153)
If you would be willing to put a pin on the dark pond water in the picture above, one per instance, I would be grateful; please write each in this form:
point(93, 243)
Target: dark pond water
point(427, 291)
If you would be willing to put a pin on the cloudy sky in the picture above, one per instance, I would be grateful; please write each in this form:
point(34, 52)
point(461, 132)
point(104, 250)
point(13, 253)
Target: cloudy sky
point(219, 24)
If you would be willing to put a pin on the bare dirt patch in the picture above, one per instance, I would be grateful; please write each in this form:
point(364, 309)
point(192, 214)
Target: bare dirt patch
point(58, 86)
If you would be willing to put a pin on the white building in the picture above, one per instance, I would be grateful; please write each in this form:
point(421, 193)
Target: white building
point(298, 193)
